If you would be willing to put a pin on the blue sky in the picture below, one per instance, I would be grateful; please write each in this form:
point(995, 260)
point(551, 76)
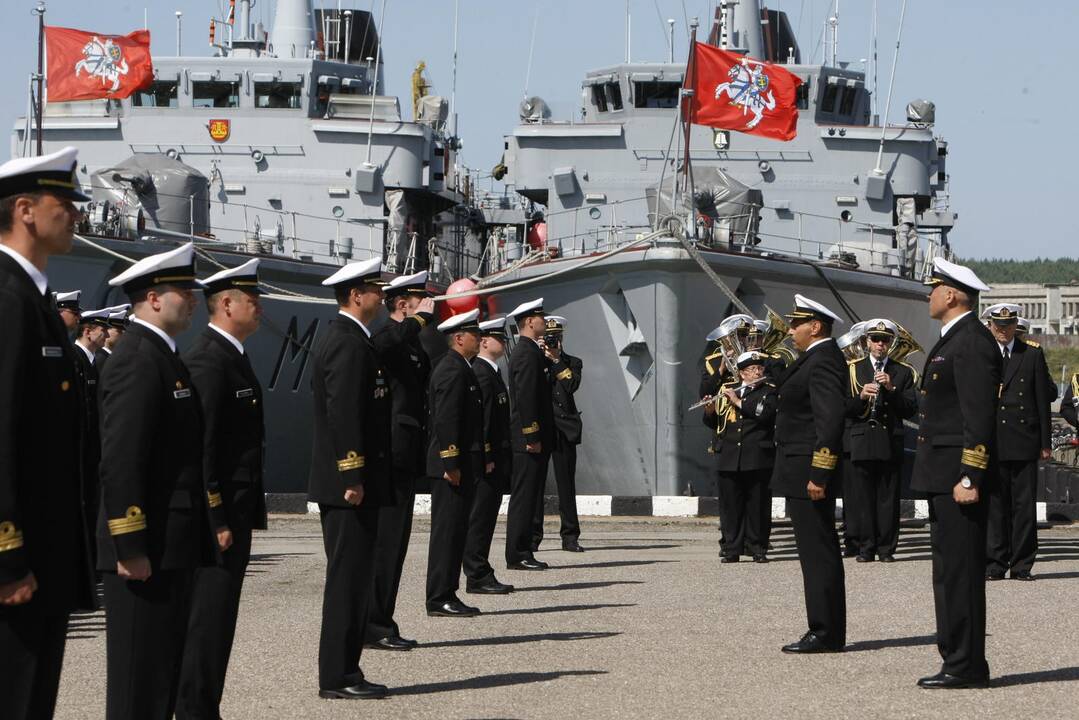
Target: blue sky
point(998, 71)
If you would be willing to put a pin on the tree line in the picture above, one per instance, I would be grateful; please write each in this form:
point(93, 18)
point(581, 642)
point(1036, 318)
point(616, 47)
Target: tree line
point(1060, 271)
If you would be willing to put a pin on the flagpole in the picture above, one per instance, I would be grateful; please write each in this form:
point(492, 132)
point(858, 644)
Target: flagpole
point(40, 11)
point(687, 126)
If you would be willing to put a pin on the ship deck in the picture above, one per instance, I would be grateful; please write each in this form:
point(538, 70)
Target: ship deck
point(647, 624)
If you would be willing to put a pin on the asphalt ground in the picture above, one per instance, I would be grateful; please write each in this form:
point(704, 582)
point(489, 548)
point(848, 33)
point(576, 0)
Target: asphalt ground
point(646, 624)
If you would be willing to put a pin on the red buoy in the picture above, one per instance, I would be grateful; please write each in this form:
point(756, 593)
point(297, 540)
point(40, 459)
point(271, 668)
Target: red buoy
point(462, 304)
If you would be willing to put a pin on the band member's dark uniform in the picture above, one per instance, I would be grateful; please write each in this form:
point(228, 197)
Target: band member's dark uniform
point(874, 440)
point(957, 404)
point(350, 474)
point(1023, 438)
point(744, 448)
point(45, 570)
point(498, 451)
point(455, 461)
point(230, 395)
point(154, 512)
point(809, 443)
point(567, 436)
point(408, 371)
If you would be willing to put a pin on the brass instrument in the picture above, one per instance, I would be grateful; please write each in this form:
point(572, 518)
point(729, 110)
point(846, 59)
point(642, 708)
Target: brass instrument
point(904, 345)
point(731, 340)
point(777, 339)
point(852, 343)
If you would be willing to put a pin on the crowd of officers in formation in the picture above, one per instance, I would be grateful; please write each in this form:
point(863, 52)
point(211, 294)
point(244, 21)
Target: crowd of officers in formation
point(814, 425)
point(161, 461)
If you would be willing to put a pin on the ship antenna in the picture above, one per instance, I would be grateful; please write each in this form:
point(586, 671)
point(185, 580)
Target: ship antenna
point(891, 83)
point(179, 31)
point(453, 83)
point(873, 54)
point(531, 48)
point(629, 31)
point(39, 105)
point(378, 54)
point(834, 23)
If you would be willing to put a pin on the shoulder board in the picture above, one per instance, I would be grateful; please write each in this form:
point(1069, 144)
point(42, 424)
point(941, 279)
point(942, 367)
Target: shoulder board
point(1031, 343)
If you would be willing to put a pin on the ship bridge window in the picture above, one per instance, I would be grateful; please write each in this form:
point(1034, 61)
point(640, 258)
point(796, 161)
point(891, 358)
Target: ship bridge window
point(831, 90)
point(614, 95)
point(160, 94)
point(655, 94)
point(215, 93)
point(599, 98)
point(278, 94)
point(846, 101)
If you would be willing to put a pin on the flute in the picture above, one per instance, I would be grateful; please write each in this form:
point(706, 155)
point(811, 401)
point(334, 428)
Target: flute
point(711, 398)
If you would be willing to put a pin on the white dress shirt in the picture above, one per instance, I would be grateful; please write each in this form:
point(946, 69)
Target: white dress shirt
point(235, 343)
point(951, 323)
point(356, 320)
point(160, 333)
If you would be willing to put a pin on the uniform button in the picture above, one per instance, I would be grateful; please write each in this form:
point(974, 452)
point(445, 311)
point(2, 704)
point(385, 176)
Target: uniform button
point(1002, 422)
point(739, 444)
point(923, 392)
point(1001, 407)
point(65, 386)
point(254, 401)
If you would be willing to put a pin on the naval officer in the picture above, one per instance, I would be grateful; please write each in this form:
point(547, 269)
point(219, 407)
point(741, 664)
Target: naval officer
point(1022, 439)
point(408, 369)
point(92, 330)
point(532, 428)
point(67, 304)
point(809, 438)
point(455, 461)
point(350, 473)
point(152, 529)
point(565, 381)
point(45, 570)
point(957, 403)
point(118, 320)
point(495, 480)
point(233, 438)
point(882, 396)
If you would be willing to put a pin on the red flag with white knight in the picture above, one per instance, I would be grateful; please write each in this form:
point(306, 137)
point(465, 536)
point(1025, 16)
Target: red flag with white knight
point(735, 92)
point(86, 66)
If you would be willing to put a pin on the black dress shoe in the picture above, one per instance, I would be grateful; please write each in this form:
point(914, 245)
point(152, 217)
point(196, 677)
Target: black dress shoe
point(359, 691)
point(451, 608)
point(1022, 575)
point(760, 558)
point(849, 551)
point(527, 564)
point(994, 576)
point(391, 643)
point(491, 587)
point(887, 558)
point(944, 681)
point(864, 557)
point(572, 546)
point(728, 558)
point(809, 644)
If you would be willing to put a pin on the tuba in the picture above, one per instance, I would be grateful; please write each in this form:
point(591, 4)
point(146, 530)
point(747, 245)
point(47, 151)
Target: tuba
point(904, 345)
point(852, 343)
point(777, 339)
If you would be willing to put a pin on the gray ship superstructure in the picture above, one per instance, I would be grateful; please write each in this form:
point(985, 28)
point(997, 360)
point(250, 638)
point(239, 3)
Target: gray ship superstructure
point(819, 215)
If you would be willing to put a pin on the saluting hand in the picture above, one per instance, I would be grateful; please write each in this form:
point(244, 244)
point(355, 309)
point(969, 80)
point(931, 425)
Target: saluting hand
point(453, 477)
point(354, 495)
point(137, 568)
point(18, 592)
point(427, 305)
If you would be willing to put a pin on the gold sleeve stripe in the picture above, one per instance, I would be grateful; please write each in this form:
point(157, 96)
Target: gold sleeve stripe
point(533, 428)
point(450, 452)
point(351, 461)
point(565, 374)
point(214, 499)
point(133, 521)
point(976, 457)
point(10, 536)
point(823, 459)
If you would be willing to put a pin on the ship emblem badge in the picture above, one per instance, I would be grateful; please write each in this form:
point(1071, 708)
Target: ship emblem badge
point(748, 87)
point(220, 130)
point(103, 59)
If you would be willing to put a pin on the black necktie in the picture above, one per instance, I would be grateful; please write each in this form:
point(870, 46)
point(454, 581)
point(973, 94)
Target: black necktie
point(877, 366)
point(1006, 354)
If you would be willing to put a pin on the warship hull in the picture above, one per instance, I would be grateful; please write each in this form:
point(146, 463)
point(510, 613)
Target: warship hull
point(636, 319)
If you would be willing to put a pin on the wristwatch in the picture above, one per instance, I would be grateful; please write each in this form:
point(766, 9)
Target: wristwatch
point(966, 483)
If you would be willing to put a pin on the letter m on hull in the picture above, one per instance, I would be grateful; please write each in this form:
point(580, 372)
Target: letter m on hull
point(294, 347)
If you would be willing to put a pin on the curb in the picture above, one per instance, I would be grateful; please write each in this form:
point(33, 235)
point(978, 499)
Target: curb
point(673, 506)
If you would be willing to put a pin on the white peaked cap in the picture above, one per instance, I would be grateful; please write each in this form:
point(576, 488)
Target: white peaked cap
point(806, 308)
point(749, 358)
point(715, 334)
point(493, 325)
point(464, 321)
point(952, 274)
point(72, 296)
point(1002, 311)
point(54, 173)
point(119, 308)
point(251, 267)
point(100, 315)
point(416, 279)
point(532, 307)
point(880, 325)
point(173, 267)
point(359, 271)
point(1024, 324)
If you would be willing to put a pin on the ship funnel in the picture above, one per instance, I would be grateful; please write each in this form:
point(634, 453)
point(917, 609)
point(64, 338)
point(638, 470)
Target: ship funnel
point(293, 30)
